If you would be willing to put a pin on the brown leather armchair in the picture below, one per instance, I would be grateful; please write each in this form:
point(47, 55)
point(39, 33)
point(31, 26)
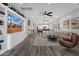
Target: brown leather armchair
point(69, 42)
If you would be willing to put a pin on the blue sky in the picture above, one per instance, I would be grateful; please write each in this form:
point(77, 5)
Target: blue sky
point(14, 19)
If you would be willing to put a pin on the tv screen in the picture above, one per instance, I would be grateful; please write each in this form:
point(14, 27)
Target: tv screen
point(14, 24)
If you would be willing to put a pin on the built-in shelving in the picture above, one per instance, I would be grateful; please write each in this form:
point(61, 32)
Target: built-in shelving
point(10, 39)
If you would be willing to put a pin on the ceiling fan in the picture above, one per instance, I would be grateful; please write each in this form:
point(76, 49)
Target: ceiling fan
point(47, 13)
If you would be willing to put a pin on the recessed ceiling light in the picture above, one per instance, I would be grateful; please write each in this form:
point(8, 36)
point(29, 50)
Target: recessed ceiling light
point(49, 3)
point(56, 16)
point(32, 16)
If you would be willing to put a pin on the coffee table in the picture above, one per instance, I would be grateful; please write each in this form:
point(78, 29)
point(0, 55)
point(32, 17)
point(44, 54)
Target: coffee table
point(52, 38)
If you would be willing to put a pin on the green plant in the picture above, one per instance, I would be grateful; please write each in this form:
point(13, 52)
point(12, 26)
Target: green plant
point(21, 14)
point(14, 9)
point(6, 4)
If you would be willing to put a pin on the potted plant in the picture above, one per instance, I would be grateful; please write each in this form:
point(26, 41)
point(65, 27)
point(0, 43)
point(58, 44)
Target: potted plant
point(6, 4)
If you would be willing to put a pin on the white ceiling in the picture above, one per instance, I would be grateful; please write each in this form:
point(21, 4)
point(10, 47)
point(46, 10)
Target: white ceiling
point(32, 10)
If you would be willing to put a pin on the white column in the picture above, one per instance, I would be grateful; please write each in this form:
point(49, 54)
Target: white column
point(70, 23)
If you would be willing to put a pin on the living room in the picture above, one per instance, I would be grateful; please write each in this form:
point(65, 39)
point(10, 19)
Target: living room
point(42, 29)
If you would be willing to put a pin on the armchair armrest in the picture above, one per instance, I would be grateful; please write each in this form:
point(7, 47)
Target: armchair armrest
point(66, 38)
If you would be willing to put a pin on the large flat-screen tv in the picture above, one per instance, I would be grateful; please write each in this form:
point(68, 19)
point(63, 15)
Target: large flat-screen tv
point(14, 24)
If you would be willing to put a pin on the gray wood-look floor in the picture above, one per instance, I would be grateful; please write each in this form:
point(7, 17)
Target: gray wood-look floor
point(26, 48)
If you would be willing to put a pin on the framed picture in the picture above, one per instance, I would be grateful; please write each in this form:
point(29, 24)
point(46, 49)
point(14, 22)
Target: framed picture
point(29, 22)
point(66, 24)
point(14, 24)
point(75, 23)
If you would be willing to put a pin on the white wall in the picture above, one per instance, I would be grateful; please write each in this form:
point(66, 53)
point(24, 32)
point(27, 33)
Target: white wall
point(73, 15)
point(68, 17)
point(17, 37)
point(12, 39)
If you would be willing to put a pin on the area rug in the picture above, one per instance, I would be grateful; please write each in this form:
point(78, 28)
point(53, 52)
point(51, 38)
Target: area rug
point(43, 41)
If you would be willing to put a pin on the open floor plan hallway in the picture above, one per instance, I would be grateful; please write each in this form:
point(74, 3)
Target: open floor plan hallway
point(27, 48)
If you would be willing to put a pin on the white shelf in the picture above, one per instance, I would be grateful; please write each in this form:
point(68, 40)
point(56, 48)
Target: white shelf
point(12, 39)
point(3, 44)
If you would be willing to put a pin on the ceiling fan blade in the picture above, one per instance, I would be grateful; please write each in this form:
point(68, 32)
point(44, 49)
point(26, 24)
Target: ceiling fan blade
point(50, 13)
